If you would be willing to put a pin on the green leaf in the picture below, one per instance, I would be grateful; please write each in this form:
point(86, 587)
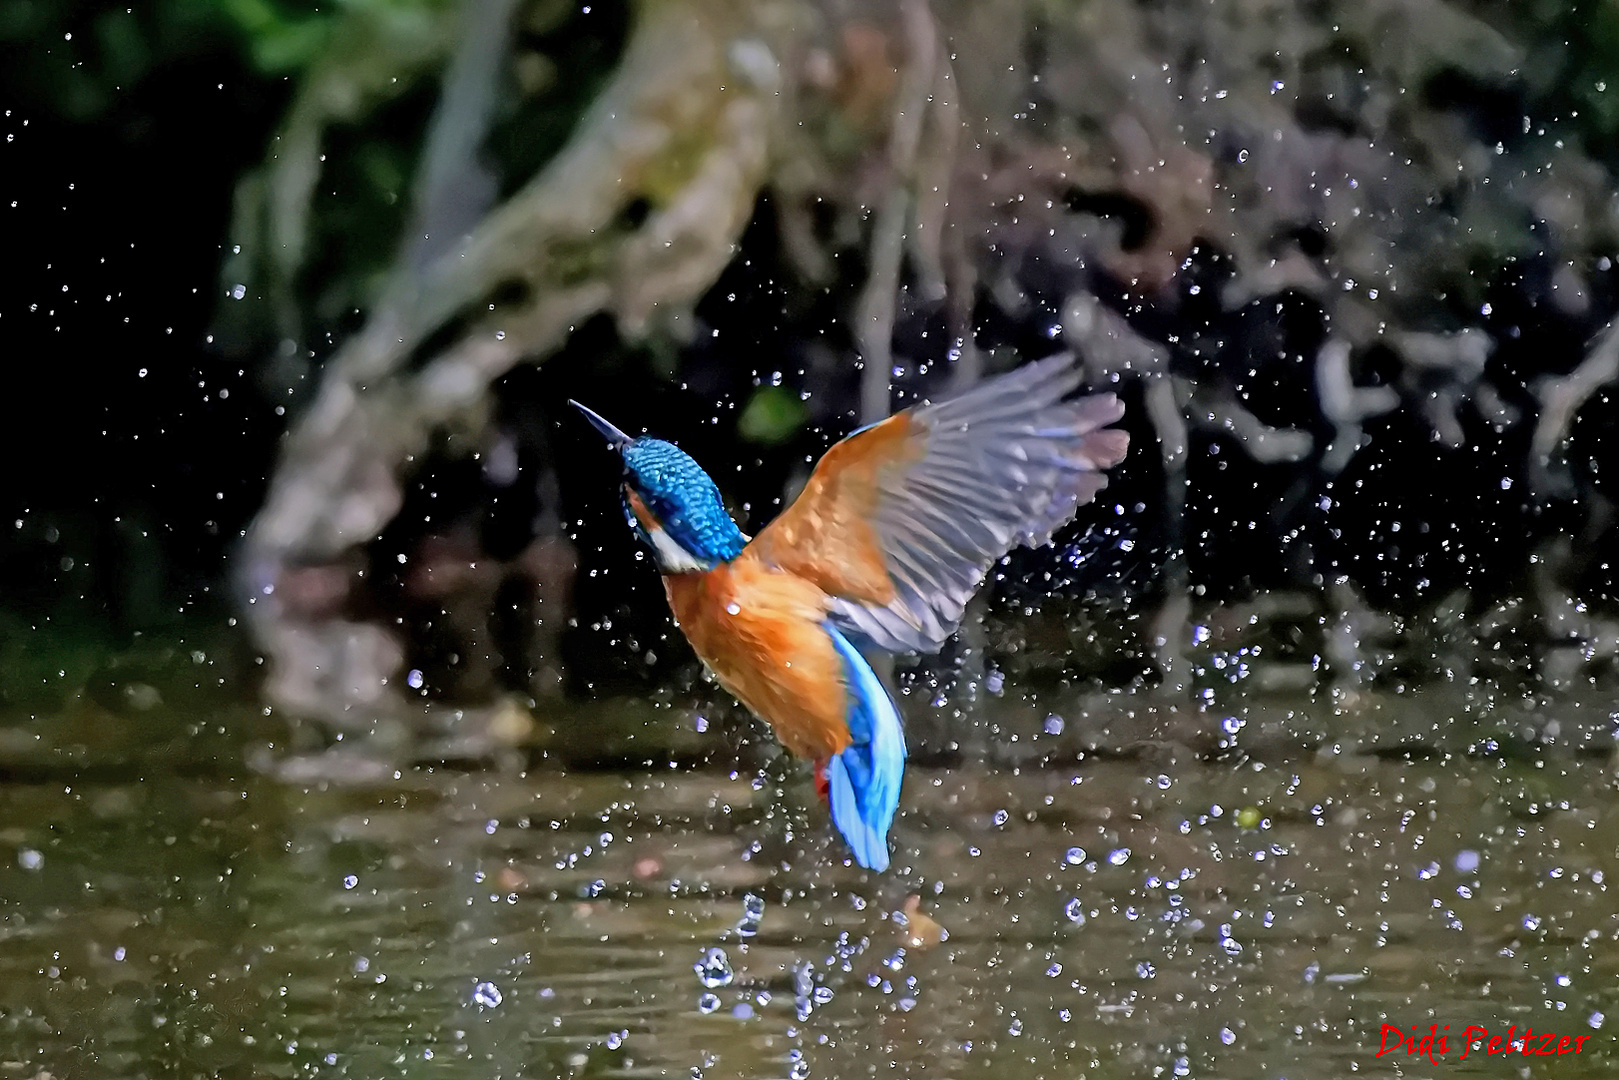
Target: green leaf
point(772, 416)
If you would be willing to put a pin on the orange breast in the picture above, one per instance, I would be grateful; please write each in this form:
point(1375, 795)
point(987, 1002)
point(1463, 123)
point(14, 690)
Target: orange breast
point(759, 631)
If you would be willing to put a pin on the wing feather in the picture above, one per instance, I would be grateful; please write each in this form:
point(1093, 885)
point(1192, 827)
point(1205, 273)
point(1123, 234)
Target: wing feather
point(900, 521)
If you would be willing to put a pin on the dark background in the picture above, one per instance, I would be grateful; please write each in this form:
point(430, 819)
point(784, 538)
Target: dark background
point(145, 413)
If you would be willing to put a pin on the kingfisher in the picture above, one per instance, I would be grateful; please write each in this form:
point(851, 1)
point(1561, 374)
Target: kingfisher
point(890, 537)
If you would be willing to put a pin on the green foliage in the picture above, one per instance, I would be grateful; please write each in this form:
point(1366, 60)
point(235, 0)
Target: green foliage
point(79, 59)
point(773, 415)
point(279, 40)
point(1575, 65)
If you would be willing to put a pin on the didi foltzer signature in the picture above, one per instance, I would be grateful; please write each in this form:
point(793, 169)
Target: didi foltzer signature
point(1436, 1043)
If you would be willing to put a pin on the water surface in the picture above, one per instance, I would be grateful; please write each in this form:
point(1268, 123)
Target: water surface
point(1153, 907)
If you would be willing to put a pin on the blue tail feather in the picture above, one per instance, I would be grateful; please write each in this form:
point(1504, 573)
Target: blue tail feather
point(863, 781)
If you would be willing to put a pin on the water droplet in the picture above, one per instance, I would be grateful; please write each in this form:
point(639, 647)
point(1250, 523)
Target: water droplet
point(488, 995)
point(349, 881)
point(742, 1011)
point(1000, 818)
point(615, 1039)
point(1227, 1036)
point(1467, 861)
point(1145, 970)
point(1595, 1019)
point(1119, 857)
point(822, 995)
point(29, 859)
point(753, 911)
point(1075, 911)
point(1076, 855)
point(708, 1003)
point(733, 609)
point(714, 969)
point(1531, 922)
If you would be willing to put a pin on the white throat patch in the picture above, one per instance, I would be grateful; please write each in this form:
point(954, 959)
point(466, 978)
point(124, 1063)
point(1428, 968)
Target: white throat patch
point(671, 557)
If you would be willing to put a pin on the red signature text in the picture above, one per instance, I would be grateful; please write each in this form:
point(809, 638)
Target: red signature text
point(1437, 1042)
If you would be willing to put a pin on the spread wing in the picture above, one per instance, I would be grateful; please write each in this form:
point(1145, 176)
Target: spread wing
point(900, 521)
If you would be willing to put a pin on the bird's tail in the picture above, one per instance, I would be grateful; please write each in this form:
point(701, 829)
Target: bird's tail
point(863, 781)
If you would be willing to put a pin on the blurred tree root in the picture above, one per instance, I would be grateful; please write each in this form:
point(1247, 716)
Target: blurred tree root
point(1351, 265)
point(636, 217)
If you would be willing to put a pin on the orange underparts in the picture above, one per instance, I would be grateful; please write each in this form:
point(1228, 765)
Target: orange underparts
point(760, 631)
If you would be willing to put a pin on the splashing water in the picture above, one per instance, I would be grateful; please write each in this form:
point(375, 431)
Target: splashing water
point(714, 969)
point(753, 912)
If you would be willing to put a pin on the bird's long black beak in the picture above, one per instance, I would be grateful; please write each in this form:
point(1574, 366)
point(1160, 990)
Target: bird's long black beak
point(615, 438)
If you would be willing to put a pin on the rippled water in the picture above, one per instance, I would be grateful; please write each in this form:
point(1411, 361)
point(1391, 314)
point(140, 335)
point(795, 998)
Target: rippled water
point(1147, 912)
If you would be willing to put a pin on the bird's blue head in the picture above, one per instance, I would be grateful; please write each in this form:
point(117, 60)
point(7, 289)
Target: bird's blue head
point(671, 502)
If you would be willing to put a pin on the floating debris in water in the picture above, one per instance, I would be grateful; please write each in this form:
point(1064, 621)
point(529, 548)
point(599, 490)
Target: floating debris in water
point(921, 931)
point(488, 995)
